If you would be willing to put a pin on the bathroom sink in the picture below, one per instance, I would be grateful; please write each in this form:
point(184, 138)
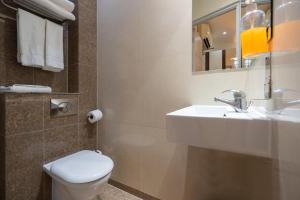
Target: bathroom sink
point(203, 111)
point(288, 114)
point(221, 128)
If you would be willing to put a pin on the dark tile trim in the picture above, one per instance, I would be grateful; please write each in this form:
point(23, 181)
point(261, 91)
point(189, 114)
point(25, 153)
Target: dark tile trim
point(2, 147)
point(131, 190)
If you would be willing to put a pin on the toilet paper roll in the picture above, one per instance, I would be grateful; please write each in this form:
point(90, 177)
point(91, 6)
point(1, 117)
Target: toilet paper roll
point(95, 116)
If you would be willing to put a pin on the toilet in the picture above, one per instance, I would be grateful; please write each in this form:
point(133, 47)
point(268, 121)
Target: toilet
point(79, 176)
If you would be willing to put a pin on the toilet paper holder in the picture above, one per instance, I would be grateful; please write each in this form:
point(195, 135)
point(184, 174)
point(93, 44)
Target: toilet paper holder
point(62, 107)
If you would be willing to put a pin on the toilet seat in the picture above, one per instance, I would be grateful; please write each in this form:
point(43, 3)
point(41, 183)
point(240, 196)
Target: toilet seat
point(82, 167)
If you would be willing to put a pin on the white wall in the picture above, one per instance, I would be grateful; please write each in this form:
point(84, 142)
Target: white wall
point(286, 75)
point(145, 70)
point(204, 7)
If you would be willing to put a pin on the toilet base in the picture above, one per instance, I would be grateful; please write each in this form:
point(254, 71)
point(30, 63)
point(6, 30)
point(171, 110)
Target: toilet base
point(85, 191)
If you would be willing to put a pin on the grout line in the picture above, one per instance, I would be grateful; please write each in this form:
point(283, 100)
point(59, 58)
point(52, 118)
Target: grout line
point(43, 133)
point(41, 130)
point(97, 71)
point(78, 116)
point(24, 133)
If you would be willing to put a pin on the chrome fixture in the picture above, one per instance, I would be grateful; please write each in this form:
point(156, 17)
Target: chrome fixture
point(239, 102)
point(63, 107)
point(279, 104)
point(268, 78)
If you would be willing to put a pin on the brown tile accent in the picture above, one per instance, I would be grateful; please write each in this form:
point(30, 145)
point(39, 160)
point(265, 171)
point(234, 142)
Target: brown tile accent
point(87, 136)
point(16, 73)
point(88, 91)
point(2, 115)
point(87, 29)
point(2, 68)
point(57, 81)
point(2, 147)
point(73, 38)
point(87, 42)
point(131, 190)
point(24, 160)
point(52, 122)
point(73, 80)
point(23, 114)
point(13, 72)
point(2, 50)
point(9, 38)
point(60, 142)
point(6, 11)
point(73, 46)
point(47, 186)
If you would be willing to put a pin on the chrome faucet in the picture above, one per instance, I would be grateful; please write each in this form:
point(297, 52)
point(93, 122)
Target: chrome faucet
point(239, 102)
point(279, 103)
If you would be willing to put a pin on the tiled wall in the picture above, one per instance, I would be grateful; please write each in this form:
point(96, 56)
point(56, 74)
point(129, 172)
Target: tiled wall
point(145, 71)
point(12, 72)
point(33, 138)
point(30, 135)
point(83, 56)
point(2, 150)
point(286, 75)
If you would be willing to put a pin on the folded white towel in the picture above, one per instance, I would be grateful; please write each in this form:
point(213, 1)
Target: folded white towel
point(48, 8)
point(18, 88)
point(31, 39)
point(66, 4)
point(54, 48)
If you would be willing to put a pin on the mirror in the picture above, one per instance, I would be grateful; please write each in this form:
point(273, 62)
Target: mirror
point(223, 38)
point(216, 43)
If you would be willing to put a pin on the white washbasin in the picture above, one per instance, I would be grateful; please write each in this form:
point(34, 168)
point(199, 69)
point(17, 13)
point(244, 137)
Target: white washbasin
point(217, 112)
point(221, 128)
point(288, 115)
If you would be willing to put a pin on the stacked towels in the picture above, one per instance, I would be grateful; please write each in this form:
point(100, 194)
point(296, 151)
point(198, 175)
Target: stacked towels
point(40, 42)
point(31, 39)
point(54, 48)
point(57, 9)
point(65, 4)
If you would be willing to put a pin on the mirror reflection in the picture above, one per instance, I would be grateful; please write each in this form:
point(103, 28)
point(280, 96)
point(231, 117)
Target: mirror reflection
point(231, 37)
point(214, 43)
point(256, 29)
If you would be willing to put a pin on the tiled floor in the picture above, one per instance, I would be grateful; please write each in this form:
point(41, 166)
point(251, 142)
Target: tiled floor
point(110, 192)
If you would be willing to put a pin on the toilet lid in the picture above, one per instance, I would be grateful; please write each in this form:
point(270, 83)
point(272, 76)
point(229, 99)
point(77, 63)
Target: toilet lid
point(82, 167)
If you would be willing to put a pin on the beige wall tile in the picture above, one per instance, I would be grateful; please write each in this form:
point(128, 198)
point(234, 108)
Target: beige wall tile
point(286, 75)
point(163, 165)
point(124, 143)
point(145, 71)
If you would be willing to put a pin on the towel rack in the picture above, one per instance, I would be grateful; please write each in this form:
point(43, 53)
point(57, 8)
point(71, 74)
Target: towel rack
point(8, 6)
point(3, 16)
point(38, 10)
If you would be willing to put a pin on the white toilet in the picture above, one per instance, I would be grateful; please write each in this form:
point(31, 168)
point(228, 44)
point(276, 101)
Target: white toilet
point(79, 176)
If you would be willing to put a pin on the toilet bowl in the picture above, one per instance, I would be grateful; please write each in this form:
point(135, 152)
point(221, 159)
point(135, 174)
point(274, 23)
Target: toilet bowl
point(79, 176)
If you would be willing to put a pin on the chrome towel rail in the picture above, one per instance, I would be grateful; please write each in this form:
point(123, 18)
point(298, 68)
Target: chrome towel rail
point(3, 16)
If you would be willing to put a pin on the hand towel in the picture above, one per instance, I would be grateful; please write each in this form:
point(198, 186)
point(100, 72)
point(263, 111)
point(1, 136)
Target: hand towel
point(65, 4)
point(48, 8)
point(31, 39)
point(18, 88)
point(54, 47)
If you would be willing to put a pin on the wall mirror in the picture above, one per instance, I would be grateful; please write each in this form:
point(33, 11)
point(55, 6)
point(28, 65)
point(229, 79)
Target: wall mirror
point(230, 35)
